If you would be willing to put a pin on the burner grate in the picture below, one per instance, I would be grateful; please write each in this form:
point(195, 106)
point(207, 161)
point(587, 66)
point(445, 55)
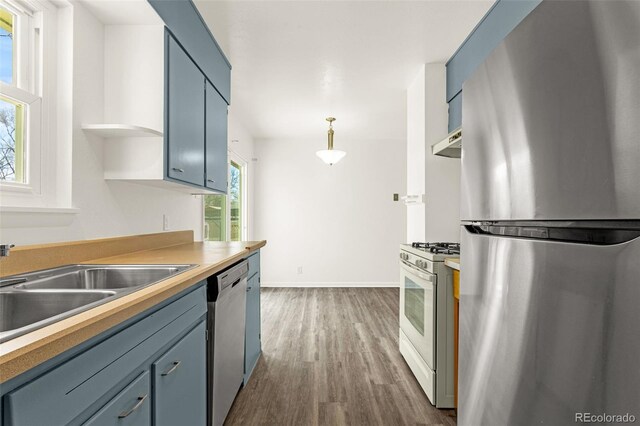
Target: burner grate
point(438, 247)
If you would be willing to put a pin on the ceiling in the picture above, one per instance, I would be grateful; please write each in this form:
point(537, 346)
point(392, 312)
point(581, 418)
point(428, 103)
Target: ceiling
point(123, 12)
point(297, 62)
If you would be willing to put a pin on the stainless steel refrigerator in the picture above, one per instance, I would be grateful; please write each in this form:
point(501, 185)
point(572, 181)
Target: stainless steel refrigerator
point(550, 280)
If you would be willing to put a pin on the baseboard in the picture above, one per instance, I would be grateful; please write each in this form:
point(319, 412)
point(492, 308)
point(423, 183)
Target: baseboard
point(329, 284)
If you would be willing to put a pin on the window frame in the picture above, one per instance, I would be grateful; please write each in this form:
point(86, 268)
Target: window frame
point(242, 163)
point(34, 84)
point(244, 216)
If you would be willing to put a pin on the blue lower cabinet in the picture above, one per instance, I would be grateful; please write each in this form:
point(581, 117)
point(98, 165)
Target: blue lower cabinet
point(180, 382)
point(252, 342)
point(254, 264)
point(132, 406)
point(112, 376)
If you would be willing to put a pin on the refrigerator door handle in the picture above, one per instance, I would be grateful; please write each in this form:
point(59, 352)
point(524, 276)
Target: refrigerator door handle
point(578, 235)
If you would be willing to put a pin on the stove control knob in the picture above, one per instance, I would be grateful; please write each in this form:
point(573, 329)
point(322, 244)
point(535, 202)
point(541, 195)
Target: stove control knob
point(419, 263)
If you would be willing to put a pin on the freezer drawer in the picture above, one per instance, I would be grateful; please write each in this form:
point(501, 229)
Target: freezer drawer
point(550, 119)
point(547, 330)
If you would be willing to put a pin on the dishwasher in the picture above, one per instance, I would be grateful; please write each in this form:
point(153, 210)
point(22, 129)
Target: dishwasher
point(226, 305)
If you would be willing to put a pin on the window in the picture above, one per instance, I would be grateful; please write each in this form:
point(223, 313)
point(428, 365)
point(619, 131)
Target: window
point(11, 140)
point(235, 201)
point(20, 96)
point(215, 218)
point(225, 215)
point(11, 111)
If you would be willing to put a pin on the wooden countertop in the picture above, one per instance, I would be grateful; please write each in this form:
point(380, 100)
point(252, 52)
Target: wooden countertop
point(27, 351)
point(453, 262)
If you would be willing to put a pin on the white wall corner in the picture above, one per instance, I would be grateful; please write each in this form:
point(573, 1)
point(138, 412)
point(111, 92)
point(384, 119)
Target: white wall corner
point(415, 213)
point(442, 175)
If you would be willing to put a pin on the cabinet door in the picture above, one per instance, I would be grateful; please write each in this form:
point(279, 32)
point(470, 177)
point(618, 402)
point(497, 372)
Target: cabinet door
point(180, 382)
point(254, 264)
point(132, 406)
point(185, 117)
point(252, 345)
point(216, 137)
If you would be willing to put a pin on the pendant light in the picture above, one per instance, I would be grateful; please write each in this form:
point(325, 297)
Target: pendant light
point(330, 156)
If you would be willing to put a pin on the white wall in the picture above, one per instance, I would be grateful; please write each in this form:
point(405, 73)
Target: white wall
point(438, 219)
point(105, 208)
point(338, 223)
point(416, 155)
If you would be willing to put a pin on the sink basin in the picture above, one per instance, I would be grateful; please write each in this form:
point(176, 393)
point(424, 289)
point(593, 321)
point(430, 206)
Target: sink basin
point(22, 308)
point(99, 277)
point(34, 300)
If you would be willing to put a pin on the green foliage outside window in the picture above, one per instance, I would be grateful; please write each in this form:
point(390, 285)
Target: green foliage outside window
point(215, 210)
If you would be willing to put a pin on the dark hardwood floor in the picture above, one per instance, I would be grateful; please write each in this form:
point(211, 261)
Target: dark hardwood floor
point(330, 357)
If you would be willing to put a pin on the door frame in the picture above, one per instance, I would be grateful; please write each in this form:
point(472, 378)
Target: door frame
point(244, 171)
point(244, 177)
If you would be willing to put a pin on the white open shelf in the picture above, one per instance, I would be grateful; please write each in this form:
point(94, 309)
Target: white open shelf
point(120, 131)
point(451, 146)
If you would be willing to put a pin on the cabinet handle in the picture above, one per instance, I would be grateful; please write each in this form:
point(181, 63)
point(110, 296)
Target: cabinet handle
point(172, 369)
point(141, 400)
point(175, 169)
point(211, 180)
point(248, 288)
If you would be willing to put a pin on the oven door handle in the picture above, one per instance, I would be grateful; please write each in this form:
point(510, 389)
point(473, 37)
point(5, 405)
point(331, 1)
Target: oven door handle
point(410, 268)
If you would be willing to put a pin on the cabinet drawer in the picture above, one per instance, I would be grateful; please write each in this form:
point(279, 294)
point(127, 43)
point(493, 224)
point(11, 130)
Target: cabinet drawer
point(62, 394)
point(132, 406)
point(180, 381)
point(254, 264)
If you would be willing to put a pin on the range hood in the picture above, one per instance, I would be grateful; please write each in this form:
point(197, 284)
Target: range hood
point(451, 146)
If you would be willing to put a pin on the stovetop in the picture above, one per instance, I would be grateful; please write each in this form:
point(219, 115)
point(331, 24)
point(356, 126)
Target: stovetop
point(438, 248)
point(436, 251)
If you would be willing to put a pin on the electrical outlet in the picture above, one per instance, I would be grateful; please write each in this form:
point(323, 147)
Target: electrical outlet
point(165, 222)
point(299, 270)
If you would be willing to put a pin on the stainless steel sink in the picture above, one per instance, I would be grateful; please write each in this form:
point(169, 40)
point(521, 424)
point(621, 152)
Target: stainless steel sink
point(21, 308)
point(34, 300)
point(99, 277)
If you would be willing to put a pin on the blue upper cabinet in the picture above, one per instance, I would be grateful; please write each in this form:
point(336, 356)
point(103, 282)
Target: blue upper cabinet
point(197, 93)
point(185, 120)
point(185, 23)
point(499, 21)
point(216, 140)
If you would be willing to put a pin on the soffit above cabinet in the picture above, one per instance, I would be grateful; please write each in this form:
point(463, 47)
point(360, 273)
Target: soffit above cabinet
point(185, 23)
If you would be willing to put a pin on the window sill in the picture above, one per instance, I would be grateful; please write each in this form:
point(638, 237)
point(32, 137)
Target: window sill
point(36, 217)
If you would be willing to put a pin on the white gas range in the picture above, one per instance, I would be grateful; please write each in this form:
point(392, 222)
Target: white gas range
point(426, 317)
